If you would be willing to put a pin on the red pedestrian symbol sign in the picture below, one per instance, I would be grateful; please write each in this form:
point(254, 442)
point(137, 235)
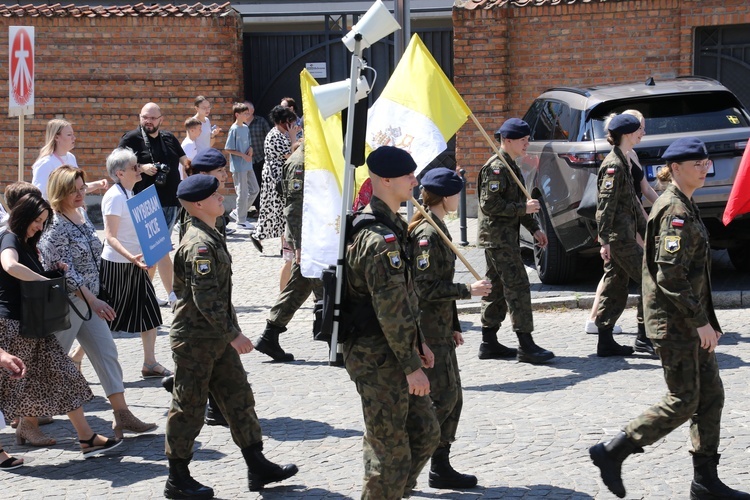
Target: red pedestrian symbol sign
point(21, 66)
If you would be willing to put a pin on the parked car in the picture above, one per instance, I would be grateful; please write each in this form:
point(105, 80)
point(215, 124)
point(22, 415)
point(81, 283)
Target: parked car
point(568, 143)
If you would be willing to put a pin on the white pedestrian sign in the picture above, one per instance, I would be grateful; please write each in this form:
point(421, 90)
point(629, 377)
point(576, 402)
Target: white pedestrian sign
point(21, 70)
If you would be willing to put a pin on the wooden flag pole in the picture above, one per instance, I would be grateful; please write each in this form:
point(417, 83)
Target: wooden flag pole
point(497, 152)
point(445, 238)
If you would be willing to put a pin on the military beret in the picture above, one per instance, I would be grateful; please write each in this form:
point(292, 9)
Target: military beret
point(513, 128)
point(197, 187)
point(207, 160)
point(624, 124)
point(389, 162)
point(685, 149)
point(442, 182)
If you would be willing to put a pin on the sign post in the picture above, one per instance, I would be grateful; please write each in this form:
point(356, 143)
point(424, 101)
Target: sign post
point(20, 81)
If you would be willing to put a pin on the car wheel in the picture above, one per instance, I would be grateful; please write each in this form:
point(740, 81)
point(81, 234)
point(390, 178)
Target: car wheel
point(553, 264)
point(740, 257)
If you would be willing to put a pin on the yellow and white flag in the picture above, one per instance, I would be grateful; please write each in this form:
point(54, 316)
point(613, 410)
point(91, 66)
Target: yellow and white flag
point(324, 180)
point(419, 109)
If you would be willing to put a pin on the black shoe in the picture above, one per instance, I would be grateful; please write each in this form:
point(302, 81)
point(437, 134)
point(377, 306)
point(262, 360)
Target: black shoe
point(496, 350)
point(609, 458)
point(180, 483)
point(706, 484)
point(213, 413)
point(261, 471)
point(607, 347)
point(168, 383)
point(444, 476)
point(529, 352)
point(256, 243)
point(268, 344)
point(642, 342)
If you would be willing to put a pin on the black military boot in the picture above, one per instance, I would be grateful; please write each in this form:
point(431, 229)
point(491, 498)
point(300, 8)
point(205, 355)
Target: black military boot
point(180, 484)
point(490, 348)
point(607, 346)
point(213, 413)
point(643, 343)
point(529, 352)
point(260, 471)
point(443, 476)
point(609, 458)
point(168, 383)
point(268, 344)
point(706, 483)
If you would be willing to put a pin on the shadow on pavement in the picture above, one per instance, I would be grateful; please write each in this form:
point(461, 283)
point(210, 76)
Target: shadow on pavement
point(294, 429)
point(533, 491)
point(105, 468)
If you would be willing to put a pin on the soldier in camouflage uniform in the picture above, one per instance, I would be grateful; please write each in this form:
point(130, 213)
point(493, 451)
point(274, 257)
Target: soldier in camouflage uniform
point(433, 267)
point(298, 288)
point(680, 320)
point(382, 356)
point(502, 209)
point(619, 218)
point(206, 342)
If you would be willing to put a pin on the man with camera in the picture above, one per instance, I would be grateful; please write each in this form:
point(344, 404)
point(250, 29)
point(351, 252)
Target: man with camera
point(159, 155)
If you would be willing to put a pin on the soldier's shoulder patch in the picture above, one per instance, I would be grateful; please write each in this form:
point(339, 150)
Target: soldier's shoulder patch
point(395, 259)
point(496, 171)
point(296, 185)
point(424, 241)
point(678, 222)
point(672, 244)
point(494, 186)
point(298, 171)
point(423, 261)
point(389, 238)
point(202, 266)
point(202, 250)
point(608, 184)
point(610, 170)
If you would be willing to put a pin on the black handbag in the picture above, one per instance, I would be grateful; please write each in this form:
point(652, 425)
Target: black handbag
point(590, 198)
point(45, 307)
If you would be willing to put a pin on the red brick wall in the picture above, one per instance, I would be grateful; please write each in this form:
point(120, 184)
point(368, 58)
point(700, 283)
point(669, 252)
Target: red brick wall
point(97, 72)
point(505, 57)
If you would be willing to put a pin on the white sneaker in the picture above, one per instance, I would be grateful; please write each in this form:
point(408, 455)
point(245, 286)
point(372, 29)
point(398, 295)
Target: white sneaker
point(228, 230)
point(245, 225)
point(172, 299)
point(162, 302)
point(233, 214)
point(591, 328)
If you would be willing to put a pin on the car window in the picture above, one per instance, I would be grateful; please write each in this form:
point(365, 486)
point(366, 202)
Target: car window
point(553, 122)
point(674, 114)
point(533, 113)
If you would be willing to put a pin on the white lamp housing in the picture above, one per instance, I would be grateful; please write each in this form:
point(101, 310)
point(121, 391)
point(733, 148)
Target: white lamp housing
point(377, 23)
point(333, 97)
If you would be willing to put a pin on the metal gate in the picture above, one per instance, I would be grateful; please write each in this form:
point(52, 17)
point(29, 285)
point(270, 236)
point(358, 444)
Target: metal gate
point(723, 53)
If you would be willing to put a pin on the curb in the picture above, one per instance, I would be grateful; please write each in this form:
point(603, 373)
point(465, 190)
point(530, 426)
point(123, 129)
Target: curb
point(721, 300)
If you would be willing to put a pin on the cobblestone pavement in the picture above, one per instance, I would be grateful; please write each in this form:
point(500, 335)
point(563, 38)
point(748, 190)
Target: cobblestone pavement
point(525, 429)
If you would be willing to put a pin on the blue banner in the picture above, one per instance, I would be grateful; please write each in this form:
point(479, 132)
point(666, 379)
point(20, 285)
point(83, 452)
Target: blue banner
point(150, 225)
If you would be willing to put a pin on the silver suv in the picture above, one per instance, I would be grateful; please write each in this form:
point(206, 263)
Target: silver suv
point(568, 143)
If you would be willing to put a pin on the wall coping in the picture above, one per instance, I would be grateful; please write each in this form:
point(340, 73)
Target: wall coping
point(137, 10)
point(495, 4)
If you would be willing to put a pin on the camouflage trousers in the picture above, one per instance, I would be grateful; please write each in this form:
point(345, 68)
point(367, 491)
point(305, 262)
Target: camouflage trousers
point(401, 430)
point(294, 294)
point(625, 264)
point(445, 387)
point(695, 393)
point(201, 366)
point(510, 290)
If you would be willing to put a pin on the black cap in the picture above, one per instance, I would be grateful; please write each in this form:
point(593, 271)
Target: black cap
point(197, 187)
point(685, 149)
point(624, 124)
point(442, 182)
point(207, 160)
point(513, 128)
point(389, 162)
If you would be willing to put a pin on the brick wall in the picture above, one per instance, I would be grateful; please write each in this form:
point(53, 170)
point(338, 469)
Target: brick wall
point(504, 57)
point(97, 72)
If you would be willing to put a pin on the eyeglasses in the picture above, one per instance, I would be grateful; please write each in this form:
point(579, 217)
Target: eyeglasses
point(150, 118)
point(135, 167)
point(703, 165)
point(81, 191)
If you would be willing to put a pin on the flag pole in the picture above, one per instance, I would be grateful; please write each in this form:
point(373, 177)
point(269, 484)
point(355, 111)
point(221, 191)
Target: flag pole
point(445, 238)
point(497, 152)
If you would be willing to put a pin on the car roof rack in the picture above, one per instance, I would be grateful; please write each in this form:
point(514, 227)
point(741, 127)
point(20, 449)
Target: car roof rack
point(575, 90)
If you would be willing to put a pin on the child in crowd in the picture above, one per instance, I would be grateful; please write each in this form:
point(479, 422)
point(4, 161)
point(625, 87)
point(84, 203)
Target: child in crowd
point(238, 146)
point(192, 131)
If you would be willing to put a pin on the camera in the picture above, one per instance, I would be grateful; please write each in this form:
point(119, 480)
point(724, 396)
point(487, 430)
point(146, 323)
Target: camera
point(162, 170)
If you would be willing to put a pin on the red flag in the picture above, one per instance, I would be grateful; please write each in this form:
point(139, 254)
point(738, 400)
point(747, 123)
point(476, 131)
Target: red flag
point(739, 198)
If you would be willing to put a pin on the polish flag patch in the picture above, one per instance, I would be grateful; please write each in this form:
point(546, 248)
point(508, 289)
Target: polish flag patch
point(496, 171)
point(677, 222)
point(610, 171)
point(424, 242)
point(389, 238)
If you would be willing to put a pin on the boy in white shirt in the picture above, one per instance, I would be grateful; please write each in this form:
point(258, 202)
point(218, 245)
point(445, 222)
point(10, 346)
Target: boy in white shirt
point(192, 131)
point(238, 146)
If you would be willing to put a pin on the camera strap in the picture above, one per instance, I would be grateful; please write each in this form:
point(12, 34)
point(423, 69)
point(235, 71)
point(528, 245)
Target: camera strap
point(148, 145)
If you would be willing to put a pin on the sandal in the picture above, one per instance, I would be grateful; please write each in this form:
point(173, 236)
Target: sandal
point(11, 462)
point(149, 371)
point(92, 450)
point(31, 433)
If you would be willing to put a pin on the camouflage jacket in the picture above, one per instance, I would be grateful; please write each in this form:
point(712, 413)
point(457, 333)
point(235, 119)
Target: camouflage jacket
point(184, 221)
point(293, 183)
point(618, 211)
point(203, 285)
point(502, 204)
point(377, 269)
point(676, 270)
point(433, 265)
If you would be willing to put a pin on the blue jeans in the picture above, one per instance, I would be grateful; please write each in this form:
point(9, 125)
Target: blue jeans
point(170, 214)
